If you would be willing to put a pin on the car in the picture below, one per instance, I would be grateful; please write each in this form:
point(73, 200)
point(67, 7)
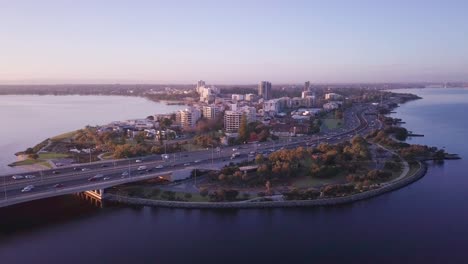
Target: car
point(159, 167)
point(197, 161)
point(187, 164)
point(17, 177)
point(252, 152)
point(76, 169)
point(107, 178)
point(125, 173)
point(96, 177)
point(55, 172)
point(58, 185)
point(234, 149)
point(27, 188)
point(141, 168)
point(104, 166)
point(149, 170)
point(138, 161)
point(85, 169)
point(29, 176)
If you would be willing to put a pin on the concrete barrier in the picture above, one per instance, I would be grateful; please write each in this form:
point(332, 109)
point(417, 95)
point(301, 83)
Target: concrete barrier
point(270, 204)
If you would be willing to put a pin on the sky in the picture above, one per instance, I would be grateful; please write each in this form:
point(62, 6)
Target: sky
point(233, 42)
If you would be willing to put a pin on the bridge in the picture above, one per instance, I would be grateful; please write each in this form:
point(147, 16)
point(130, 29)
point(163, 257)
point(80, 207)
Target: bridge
point(83, 178)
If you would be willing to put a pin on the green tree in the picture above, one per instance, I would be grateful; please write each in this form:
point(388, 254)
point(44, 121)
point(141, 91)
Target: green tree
point(259, 159)
point(243, 129)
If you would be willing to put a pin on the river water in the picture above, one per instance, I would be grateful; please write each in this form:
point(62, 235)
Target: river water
point(29, 119)
point(425, 222)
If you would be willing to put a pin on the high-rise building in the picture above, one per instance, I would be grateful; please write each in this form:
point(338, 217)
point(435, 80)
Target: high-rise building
point(264, 90)
point(188, 117)
point(200, 83)
point(232, 118)
point(232, 121)
point(210, 111)
point(306, 86)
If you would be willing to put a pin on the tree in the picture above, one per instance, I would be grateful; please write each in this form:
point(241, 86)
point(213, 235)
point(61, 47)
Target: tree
point(166, 122)
point(33, 156)
point(140, 137)
point(259, 159)
point(243, 129)
point(203, 192)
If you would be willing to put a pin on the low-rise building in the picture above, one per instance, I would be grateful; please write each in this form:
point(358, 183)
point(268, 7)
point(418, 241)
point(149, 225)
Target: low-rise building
point(237, 97)
point(330, 106)
point(333, 96)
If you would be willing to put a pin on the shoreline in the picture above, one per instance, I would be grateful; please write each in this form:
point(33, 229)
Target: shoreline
point(272, 204)
point(387, 187)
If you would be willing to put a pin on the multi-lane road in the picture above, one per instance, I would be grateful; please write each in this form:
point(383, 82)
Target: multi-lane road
point(104, 174)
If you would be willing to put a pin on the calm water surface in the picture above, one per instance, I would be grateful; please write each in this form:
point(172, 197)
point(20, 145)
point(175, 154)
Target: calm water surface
point(425, 222)
point(29, 119)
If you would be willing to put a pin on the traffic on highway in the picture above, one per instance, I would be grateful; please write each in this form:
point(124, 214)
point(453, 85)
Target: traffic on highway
point(126, 170)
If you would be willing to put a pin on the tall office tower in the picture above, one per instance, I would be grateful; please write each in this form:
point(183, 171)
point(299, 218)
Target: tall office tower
point(306, 86)
point(264, 90)
point(200, 83)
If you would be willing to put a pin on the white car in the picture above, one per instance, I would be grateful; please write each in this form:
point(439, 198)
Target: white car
point(141, 168)
point(197, 161)
point(159, 167)
point(106, 178)
point(187, 164)
point(125, 173)
point(30, 176)
point(85, 169)
point(17, 177)
point(28, 188)
point(138, 161)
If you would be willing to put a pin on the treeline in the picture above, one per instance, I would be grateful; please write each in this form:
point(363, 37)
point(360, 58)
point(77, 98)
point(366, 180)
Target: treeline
point(323, 162)
point(406, 151)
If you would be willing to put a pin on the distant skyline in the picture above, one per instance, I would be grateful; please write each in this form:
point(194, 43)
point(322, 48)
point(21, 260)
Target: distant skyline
point(233, 42)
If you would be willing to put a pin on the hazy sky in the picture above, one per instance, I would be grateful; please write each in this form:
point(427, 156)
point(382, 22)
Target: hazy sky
point(99, 41)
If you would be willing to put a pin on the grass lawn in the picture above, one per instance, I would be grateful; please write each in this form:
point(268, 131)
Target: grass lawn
point(107, 156)
point(52, 155)
point(308, 181)
point(26, 162)
point(64, 136)
point(414, 167)
point(192, 147)
point(332, 123)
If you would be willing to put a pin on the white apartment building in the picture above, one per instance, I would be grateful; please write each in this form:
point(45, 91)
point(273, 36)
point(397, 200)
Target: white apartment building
point(232, 119)
point(237, 97)
point(333, 96)
point(188, 117)
point(210, 111)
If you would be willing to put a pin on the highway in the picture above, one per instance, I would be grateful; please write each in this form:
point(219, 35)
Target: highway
point(68, 179)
